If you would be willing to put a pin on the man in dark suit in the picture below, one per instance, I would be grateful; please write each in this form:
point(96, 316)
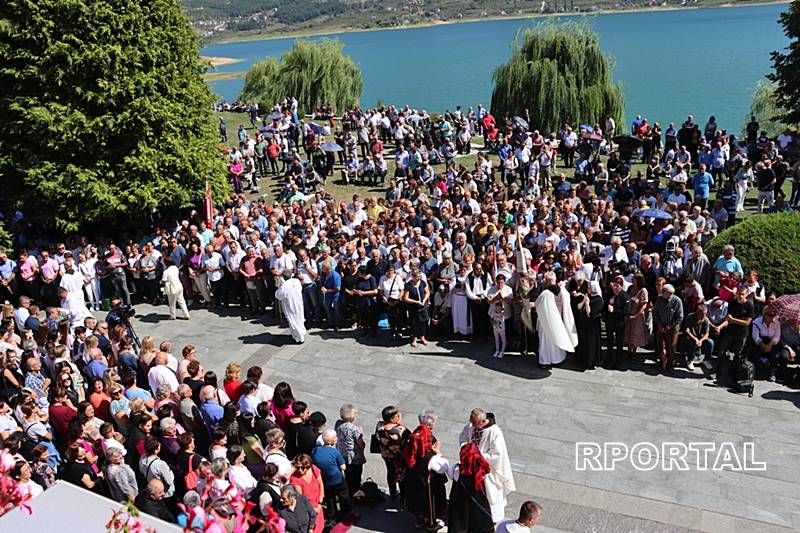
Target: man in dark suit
point(616, 301)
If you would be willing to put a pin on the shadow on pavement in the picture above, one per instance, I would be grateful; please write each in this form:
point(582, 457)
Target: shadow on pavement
point(793, 397)
point(268, 338)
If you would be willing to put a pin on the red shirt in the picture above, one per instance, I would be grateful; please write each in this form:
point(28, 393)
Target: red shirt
point(60, 417)
point(233, 389)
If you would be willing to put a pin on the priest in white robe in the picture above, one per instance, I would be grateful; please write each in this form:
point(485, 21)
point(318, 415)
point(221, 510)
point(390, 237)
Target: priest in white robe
point(555, 323)
point(291, 297)
point(488, 437)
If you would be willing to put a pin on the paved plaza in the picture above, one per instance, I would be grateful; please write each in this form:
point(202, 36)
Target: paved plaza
point(542, 414)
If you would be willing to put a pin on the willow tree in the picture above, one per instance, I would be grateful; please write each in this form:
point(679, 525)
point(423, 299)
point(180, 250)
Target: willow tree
point(315, 72)
point(766, 109)
point(559, 73)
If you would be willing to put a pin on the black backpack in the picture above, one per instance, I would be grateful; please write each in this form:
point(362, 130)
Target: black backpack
point(372, 493)
point(27, 443)
point(745, 375)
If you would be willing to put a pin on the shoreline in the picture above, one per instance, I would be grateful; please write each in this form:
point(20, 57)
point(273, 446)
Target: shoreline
point(217, 61)
point(332, 32)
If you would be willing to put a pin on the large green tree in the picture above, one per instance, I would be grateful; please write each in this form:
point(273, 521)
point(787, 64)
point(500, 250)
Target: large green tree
point(765, 108)
point(315, 72)
point(105, 116)
point(786, 65)
point(559, 73)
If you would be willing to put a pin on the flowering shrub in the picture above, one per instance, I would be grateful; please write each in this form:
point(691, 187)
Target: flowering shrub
point(10, 494)
point(126, 520)
point(218, 512)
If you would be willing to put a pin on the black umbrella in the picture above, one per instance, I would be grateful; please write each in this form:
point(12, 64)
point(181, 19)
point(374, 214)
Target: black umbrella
point(628, 141)
point(522, 122)
point(628, 145)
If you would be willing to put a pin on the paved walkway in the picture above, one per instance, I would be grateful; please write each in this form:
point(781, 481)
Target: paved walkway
point(543, 414)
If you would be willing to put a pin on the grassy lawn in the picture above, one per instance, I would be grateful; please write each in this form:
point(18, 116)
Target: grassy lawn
point(342, 192)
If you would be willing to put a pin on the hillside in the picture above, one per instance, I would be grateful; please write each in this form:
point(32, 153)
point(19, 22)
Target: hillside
point(231, 19)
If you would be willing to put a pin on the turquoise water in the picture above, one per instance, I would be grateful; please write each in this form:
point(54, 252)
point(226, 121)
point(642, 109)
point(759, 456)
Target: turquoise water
point(670, 63)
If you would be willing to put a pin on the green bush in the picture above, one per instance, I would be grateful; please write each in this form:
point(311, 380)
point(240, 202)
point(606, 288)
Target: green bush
point(5, 238)
point(769, 244)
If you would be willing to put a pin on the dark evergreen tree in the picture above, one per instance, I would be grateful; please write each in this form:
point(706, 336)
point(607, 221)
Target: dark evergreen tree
point(105, 113)
point(786, 65)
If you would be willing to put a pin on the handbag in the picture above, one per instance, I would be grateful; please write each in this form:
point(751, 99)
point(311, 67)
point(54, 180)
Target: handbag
point(171, 288)
point(374, 443)
point(192, 477)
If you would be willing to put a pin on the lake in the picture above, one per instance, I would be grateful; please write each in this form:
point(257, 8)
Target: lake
point(670, 63)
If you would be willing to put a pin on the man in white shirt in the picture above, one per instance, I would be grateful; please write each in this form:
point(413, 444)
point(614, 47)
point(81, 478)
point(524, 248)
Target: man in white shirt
point(71, 278)
point(614, 252)
point(22, 313)
point(214, 265)
point(529, 515)
point(161, 374)
point(74, 306)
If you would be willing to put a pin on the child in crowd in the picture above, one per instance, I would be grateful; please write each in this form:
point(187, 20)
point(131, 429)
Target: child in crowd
point(497, 317)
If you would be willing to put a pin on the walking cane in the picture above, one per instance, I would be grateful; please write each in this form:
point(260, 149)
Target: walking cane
point(431, 510)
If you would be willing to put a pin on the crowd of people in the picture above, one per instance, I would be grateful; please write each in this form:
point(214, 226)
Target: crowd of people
point(84, 406)
point(543, 248)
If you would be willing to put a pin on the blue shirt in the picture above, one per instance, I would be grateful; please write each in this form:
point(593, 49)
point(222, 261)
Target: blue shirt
point(702, 184)
point(212, 413)
point(705, 158)
point(128, 361)
point(504, 151)
point(328, 460)
point(249, 404)
point(332, 281)
point(132, 394)
point(177, 255)
point(717, 158)
point(7, 268)
point(95, 369)
point(727, 265)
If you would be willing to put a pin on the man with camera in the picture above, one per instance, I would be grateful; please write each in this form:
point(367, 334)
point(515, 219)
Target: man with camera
point(119, 314)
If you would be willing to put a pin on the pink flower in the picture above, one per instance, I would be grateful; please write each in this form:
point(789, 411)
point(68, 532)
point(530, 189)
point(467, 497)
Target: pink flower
point(6, 461)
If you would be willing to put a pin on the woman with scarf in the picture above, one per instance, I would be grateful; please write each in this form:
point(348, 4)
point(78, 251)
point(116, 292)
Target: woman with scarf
point(469, 510)
point(425, 481)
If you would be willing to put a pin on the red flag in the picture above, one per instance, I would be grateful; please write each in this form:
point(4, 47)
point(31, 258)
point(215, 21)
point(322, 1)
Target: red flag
point(208, 204)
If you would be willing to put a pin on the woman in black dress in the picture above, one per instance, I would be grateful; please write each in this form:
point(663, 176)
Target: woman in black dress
point(416, 297)
point(469, 510)
point(426, 496)
point(78, 471)
point(350, 300)
point(587, 308)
